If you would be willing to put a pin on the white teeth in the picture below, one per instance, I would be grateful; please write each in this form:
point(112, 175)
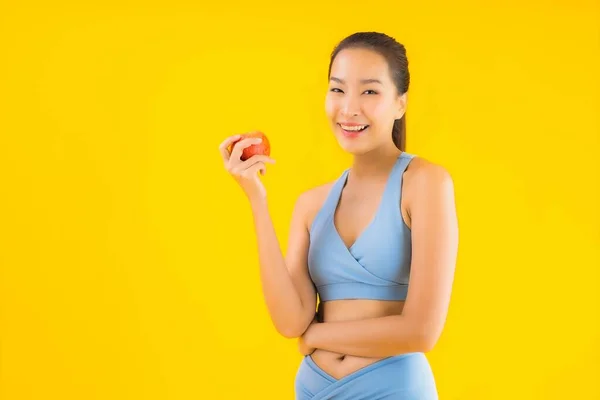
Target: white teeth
point(353, 128)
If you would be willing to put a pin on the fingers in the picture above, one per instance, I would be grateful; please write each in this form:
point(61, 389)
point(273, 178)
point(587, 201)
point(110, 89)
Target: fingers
point(254, 169)
point(239, 147)
point(249, 168)
point(241, 166)
point(254, 159)
point(223, 147)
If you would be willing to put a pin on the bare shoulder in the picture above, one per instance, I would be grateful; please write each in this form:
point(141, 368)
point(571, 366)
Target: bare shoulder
point(423, 179)
point(424, 171)
point(310, 202)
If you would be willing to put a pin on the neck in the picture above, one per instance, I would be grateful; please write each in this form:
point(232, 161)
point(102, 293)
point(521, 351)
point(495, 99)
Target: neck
point(375, 164)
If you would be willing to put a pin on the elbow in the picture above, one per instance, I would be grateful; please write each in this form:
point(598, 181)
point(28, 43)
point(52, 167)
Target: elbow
point(291, 330)
point(426, 343)
point(293, 327)
point(418, 344)
point(289, 333)
point(425, 339)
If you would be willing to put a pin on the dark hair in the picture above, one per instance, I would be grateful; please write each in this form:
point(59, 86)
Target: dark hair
point(395, 55)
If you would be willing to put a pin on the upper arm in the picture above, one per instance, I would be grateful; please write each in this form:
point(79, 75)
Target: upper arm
point(434, 233)
point(296, 258)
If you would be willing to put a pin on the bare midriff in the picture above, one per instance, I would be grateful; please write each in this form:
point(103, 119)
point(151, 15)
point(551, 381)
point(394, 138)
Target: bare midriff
point(339, 365)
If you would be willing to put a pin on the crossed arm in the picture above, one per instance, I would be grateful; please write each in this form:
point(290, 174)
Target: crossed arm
point(434, 233)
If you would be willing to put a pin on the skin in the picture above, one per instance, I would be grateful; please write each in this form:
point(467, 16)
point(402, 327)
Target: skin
point(351, 334)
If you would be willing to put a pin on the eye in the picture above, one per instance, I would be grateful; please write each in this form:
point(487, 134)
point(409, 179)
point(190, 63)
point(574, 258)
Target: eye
point(335, 90)
point(374, 92)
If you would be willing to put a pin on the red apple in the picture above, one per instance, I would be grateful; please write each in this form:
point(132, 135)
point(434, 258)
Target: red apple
point(263, 147)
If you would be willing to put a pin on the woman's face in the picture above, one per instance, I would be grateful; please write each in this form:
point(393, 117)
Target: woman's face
point(361, 93)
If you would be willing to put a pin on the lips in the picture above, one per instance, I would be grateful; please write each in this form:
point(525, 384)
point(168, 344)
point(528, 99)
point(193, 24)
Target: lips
point(351, 124)
point(353, 133)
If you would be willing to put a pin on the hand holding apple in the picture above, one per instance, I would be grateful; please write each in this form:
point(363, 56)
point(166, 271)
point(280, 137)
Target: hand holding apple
point(244, 156)
point(262, 148)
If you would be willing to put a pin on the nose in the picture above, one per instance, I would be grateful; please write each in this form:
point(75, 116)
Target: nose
point(350, 106)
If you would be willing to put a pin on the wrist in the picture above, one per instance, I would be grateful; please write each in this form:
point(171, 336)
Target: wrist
point(311, 335)
point(258, 202)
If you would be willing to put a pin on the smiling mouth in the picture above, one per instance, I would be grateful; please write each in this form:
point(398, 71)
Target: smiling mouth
point(353, 131)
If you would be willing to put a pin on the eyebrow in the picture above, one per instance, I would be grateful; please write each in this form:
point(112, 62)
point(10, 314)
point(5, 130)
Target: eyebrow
point(363, 81)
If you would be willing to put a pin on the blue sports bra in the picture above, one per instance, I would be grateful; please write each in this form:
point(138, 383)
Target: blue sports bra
point(377, 265)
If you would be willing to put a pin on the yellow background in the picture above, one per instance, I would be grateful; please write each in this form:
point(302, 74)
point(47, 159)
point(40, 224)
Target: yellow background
point(128, 261)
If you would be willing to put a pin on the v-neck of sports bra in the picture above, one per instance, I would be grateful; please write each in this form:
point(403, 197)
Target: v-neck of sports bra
point(377, 264)
point(342, 184)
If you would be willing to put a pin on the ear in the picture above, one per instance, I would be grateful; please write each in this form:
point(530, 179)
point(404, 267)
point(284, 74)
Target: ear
point(401, 102)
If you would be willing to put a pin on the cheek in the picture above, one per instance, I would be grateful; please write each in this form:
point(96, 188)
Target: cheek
point(330, 107)
point(379, 110)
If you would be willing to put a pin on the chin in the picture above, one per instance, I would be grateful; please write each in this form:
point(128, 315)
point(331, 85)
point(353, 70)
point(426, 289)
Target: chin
point(354, 147)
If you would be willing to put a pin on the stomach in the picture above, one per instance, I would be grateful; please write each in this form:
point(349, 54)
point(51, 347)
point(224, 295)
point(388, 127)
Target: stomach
point(339, 365)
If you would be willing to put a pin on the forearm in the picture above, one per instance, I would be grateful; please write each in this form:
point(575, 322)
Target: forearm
point(281, 296)
point(376, 337)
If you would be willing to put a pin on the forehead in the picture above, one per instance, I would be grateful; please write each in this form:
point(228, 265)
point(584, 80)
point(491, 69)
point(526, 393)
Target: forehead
point(352, 65)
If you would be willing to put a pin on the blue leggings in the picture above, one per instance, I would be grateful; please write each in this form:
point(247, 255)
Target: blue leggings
point(402, 377)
